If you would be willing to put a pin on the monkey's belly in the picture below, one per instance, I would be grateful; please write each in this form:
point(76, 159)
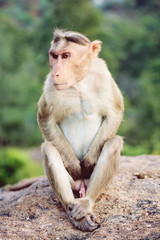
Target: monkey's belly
point(80, 132)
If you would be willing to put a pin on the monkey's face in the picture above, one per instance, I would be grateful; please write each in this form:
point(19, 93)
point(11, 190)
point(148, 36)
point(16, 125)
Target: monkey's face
point(69, 63)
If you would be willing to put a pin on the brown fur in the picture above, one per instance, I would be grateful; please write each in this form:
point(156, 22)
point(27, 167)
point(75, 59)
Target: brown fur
point(79, 114)
point(70, 37)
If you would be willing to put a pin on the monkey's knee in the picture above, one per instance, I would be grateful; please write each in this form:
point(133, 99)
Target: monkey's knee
point(45, 146)
point(114, 145)
point(112, 149)
point(117, 142)
point(48, 149)
point(51, 157)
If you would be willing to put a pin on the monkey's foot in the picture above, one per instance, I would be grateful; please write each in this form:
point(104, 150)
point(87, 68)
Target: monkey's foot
point(80, 214)
point(87, 223)
point(79, 208)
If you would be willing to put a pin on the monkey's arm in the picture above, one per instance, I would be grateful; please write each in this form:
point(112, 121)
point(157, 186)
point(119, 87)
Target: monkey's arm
point(107, 130)
point(52, 133)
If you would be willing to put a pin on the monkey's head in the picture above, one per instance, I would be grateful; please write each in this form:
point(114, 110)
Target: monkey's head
point(70, 56)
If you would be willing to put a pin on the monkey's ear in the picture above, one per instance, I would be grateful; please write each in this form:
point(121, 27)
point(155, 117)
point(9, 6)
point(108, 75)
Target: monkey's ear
point(95, 48)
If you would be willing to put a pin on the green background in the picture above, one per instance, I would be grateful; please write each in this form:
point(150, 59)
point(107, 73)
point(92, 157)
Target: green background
point(130, 32)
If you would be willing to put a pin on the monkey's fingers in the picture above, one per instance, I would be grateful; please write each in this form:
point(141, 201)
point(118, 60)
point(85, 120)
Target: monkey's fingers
point(93, 217)
point(86, 224)
point(76, 211)
point(91, 224)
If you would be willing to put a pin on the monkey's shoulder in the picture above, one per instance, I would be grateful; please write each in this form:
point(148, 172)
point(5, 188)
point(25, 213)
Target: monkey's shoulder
point(99, 66)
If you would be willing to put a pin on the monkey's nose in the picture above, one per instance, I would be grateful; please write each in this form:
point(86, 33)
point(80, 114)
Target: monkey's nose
point(55, 75)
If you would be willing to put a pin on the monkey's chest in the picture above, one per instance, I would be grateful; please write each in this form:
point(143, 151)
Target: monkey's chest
point(80, 130)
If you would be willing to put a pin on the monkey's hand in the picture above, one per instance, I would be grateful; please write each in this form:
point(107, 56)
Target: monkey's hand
point(81, 215)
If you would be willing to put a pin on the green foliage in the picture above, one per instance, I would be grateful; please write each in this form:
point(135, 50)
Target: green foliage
point(20, 87)
point(15, 164)
point(142, 85)
point(145, 6)
point(130, 150)
point(131, 48)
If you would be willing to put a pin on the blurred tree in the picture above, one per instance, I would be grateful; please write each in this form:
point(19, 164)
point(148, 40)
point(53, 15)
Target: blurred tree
point(135, 41)
point(16, 164)
point(139, 77)
point(144, 5)
point(20, 87)
point(131, 48)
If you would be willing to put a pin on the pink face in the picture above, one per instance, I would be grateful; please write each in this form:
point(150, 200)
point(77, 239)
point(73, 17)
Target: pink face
point(60, 73)
point(70, 62)
point(64, 61)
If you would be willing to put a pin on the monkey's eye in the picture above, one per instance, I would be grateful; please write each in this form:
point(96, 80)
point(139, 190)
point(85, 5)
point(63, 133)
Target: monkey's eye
point(65, 55)
point(53, 55)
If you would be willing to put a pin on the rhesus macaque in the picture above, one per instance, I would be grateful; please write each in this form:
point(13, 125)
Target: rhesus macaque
point(79, 113)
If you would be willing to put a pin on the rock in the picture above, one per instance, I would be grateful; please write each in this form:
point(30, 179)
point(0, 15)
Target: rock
point(129, 209)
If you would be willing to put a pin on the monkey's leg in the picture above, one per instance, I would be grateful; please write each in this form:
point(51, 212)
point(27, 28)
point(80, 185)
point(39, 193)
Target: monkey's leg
point(104, 171)
point(62, 183)
point(58, 176)
point(105, 168)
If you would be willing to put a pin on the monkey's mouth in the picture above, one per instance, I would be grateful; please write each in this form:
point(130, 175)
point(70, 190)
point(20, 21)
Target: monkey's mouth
point(60, 85)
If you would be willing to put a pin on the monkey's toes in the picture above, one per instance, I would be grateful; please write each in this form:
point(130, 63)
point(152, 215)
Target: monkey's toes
point(75, 211)
point(86, 224)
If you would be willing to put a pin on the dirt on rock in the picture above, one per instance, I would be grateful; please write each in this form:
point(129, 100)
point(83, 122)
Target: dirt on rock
point(129, 209)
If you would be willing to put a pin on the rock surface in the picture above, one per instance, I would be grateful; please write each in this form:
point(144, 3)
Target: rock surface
point(129, 208)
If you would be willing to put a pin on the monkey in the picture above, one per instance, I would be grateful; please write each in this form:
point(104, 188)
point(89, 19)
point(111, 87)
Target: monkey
point(79, 113)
